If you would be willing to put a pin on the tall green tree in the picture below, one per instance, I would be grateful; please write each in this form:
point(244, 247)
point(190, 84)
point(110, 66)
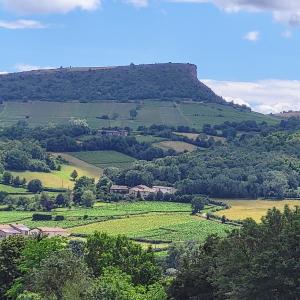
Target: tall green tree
point(10, 256)
point(103, 251)
point(57, 273)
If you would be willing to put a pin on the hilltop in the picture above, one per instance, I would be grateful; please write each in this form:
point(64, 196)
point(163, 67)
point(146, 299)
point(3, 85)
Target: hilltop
point(170, 81)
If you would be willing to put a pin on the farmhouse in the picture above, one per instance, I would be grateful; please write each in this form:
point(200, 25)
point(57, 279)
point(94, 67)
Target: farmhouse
point(7, 230)
point(164, 189)
point(24, 230)
point(141, 190)
point(49, 231)
point(120, 132)
point(119, 189)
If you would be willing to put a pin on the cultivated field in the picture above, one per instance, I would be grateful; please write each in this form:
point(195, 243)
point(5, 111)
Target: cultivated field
point(242, 209)
point(149, 221)
point(104, 159)
point(176, 145)
point(192, 114)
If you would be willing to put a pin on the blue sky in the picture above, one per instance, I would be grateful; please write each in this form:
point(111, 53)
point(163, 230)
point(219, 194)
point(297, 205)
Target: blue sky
point(234, 43)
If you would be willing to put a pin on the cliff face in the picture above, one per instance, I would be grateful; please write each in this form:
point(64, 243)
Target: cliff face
point(135, 82)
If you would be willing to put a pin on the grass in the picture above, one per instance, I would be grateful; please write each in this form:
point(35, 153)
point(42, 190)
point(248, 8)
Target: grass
point(104, 159)
point(178, 146)
point(59, 179)
point(14, 216)
point(12, 190)
point(242, 209)
point(148, 139)
point(193, 114)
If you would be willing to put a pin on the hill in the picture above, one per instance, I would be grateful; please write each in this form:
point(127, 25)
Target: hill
point(185, 113)
point(169, 81)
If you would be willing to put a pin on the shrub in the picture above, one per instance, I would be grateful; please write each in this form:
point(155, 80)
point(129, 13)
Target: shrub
point(59, 218)
point(41, 217)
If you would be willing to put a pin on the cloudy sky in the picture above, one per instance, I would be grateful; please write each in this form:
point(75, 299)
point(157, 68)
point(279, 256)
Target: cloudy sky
point(246, 50)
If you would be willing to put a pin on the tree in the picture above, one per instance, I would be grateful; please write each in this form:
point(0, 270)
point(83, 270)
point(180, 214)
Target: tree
point(194, 271)
point(17, 160)
point(257, 261)
point(88, 198)
point(62, 200)
point(133, 114)
point(46, 202)
point(7, 178)
point(74, 175)
point(10, 256)
point(35, 186)
point(103, 251)
point(115, 284)
point(17, 181)
point(198, 204)
point(57, 273)
point(81, 185)
point(104, 184)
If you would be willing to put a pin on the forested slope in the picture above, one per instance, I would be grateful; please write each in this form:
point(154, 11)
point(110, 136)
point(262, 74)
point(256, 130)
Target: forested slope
point(135, 82)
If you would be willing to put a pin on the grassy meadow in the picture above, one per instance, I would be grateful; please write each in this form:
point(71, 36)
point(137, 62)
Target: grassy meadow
point(12, 190)
point(255, 209)
point(193, 114)
point(60, 179)
point(104, 159)
point(178, 146)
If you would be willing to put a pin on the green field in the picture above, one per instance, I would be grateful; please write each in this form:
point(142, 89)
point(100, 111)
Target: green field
point(104, 159)
point(167, 227)
point(148, 139)
point(60, 179)
point(12, 190)
point(192, 114)
point(150, 221)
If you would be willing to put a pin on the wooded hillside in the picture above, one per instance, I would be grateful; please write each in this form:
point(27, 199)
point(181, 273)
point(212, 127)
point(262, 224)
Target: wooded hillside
point(135, 82)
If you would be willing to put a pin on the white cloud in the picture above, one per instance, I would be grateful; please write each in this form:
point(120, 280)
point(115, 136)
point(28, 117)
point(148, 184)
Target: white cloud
point(285, 11)
point(48, 6)
point(265, 96)
point(252, 36)
point(3, 72)
point(27, 67)
point(21, 24)
point(138, 3)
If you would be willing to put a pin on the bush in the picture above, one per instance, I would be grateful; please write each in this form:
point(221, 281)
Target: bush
point(59, 218)
point(41, 217)
point(35, 186)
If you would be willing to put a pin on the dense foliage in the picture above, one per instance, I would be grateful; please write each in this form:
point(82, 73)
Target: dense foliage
point(134, 82)
point(103, 267)
point(65, 138)
point(259, 261)
point(25, 155)
point(250, 166)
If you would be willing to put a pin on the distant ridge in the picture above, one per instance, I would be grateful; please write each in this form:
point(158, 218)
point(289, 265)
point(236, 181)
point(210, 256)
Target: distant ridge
point(170, 81)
